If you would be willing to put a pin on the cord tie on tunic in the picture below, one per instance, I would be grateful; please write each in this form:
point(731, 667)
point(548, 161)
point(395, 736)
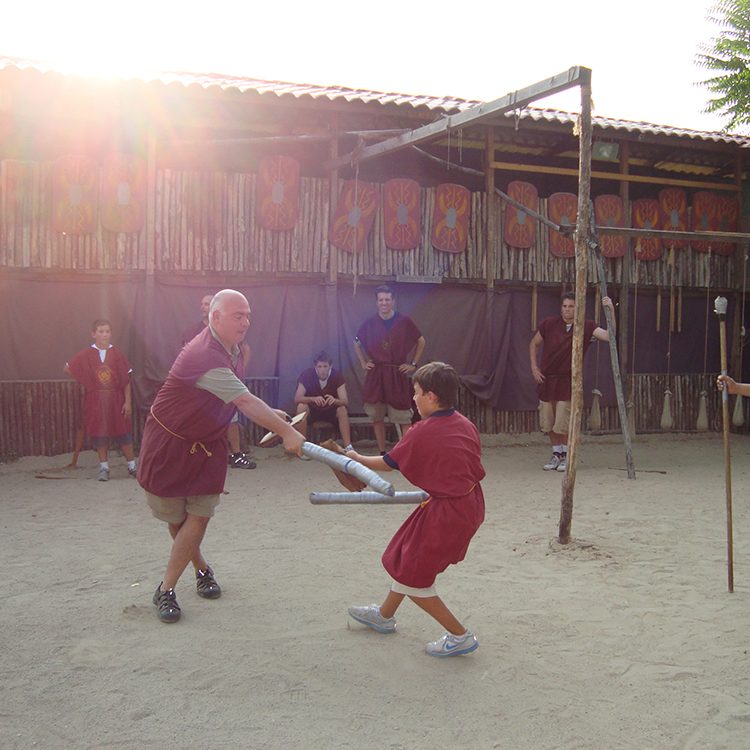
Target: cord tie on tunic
point(193, 448)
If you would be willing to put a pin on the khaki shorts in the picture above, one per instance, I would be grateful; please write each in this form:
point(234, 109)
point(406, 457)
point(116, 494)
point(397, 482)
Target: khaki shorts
point(554, 416)
point(378, 413)
point(174, 509)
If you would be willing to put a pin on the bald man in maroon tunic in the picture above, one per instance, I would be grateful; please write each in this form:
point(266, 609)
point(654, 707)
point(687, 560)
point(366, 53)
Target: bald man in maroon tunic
point(183, 459)
point(554, 337)
point(383, 346)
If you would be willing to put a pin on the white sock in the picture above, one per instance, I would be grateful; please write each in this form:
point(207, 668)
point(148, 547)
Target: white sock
point(558, 449)
point(104, 465)
point(564, 450)
point(131, 464)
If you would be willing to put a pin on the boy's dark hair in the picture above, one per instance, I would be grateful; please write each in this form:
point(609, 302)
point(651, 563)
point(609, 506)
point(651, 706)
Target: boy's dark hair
point(440, 379)
point(385, 289)
point(322, 356)
point(100, 322)
point(567, 295)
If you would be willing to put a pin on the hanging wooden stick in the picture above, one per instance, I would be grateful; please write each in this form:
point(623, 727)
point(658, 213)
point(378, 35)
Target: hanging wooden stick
point(720, 308)
point(658, 309)
point(534, 305)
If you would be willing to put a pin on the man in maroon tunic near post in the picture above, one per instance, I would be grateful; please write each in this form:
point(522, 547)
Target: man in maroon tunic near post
point(442, 456)
point(104, 372)
point(554, 376)
point(383, 345)
point(183, 459)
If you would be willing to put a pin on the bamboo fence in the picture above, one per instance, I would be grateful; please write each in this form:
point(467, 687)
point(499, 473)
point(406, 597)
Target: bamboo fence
point(206, 222)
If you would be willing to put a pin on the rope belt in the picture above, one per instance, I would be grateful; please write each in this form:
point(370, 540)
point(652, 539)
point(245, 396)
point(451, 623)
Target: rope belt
point(193, 448)
point(448, 497)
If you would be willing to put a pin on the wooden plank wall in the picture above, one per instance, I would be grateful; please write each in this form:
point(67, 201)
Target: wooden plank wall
point(205, 222)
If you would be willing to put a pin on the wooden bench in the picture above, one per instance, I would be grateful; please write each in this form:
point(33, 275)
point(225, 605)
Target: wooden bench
point(319, 430)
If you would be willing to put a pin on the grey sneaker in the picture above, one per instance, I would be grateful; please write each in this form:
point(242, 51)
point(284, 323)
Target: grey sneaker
point(453, 645)
point(554, 462)
point(104, 475)
point(563, 465)
point(133, 472)
point(371, 617)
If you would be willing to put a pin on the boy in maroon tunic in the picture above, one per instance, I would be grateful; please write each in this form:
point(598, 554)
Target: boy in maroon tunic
point(441, 455)
point(104, 372)
point(183, 462)
point(555, 337)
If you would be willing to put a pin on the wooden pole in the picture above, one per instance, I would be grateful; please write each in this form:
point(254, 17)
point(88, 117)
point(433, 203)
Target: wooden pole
point(582, 237)
point(621, 410)
point(720, 308)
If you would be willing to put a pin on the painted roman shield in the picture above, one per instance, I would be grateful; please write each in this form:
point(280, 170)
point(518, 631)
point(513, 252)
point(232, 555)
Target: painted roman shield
point(354, 217)
point(520, 228)
point(645, 215)
point(402, 217)
point(609, 211)
point(728, 211)
point(277, 193)
point(450, 225)
point(74, 189)
point(123, 193)
point(673, 214)
point(562, 208)
point(705, 218)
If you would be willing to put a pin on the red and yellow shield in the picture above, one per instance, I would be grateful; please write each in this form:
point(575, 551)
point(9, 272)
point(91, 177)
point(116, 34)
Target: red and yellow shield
point(402, 217)
point(645, 215)
point(74, 189)
point(673, 214)
point(520, 228)
point(705, 218)
point(562, 208)
point(123, 193)
point(277, 201)
point(450, 226)
point(609, 211)
point(354, 216)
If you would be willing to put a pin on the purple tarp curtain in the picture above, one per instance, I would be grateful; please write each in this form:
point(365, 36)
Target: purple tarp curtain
point(485, 336)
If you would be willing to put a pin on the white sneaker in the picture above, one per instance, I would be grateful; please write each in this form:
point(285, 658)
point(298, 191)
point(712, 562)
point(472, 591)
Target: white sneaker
point(554, 462)
point(104, 475)
point(453, 645)
point(563, 465)
point(371, 617)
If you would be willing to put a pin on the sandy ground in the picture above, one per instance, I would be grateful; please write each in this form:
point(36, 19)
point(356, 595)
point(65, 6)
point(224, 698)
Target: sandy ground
point(626, 638)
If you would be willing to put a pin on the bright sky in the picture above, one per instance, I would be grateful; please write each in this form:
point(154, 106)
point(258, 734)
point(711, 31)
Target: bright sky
point(642, 53)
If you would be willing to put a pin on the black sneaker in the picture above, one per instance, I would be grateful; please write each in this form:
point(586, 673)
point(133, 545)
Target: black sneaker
point(206, 584)
point(167, 606)
point(241, 461)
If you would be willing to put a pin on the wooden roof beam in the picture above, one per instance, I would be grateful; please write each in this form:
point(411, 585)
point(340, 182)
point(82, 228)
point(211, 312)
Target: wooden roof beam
point(515, 100)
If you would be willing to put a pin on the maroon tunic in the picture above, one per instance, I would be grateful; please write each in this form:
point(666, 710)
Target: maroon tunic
point(190, 333)
point(388, 348)
point(309, 379)
point(105, 390)
point(184, 447)
point(557, 357)
point(442, 456)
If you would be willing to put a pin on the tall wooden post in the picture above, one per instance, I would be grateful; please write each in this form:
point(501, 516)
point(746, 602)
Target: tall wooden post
point(624, 316)
point(583, 232)
point(490, 233)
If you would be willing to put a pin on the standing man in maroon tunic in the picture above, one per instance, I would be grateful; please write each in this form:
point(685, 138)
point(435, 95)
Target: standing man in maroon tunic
point(383, 346)
point(104, 372)
point(183, 462)
point(554, 376)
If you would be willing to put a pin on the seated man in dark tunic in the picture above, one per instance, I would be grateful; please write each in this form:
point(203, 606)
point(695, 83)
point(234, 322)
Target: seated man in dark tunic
point(321, 392)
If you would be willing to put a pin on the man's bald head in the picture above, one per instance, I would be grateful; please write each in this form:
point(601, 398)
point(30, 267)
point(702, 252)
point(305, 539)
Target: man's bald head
point(229, 316)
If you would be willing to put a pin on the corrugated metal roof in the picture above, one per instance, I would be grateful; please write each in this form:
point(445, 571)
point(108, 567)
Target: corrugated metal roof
point(439, 105)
